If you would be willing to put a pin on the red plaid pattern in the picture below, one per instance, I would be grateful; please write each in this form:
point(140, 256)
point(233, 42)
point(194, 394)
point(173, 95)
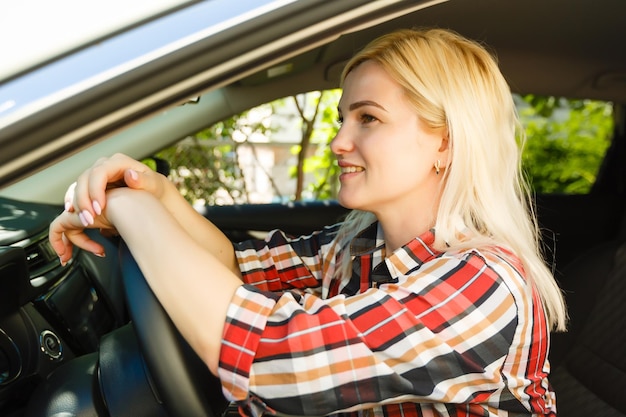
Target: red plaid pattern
point(417, 333)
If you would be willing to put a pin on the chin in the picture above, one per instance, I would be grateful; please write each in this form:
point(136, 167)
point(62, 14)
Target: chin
point(350, 203)
point(344, 200)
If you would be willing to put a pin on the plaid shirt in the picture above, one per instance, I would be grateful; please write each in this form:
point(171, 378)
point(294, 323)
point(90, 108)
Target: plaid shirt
point(417, 333)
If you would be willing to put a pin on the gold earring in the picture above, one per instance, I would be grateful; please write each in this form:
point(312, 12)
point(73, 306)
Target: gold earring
point(437, 164)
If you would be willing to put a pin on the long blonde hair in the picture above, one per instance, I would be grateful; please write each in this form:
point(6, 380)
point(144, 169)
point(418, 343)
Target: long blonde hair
point(455, 83)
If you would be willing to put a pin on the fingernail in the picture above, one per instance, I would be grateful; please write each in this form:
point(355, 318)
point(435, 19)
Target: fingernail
point(63, 263)
point(97, 208)
point(81, 216)
point(100, 254)
point(133, 174)
point(68, 205)
point(87, 218)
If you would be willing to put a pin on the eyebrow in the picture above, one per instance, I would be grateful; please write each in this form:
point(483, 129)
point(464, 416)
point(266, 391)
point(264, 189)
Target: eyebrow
point(363, 103)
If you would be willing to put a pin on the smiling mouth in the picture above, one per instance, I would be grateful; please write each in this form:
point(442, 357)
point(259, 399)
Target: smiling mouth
point(349, 170)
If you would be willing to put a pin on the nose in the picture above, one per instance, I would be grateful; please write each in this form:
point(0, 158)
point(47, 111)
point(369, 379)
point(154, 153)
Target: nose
point(341, 143)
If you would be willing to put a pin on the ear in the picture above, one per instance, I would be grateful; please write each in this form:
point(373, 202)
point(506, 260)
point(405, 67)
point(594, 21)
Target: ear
point(444, 150)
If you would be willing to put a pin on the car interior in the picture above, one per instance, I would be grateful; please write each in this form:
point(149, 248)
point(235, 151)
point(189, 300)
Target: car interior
point(72, 342)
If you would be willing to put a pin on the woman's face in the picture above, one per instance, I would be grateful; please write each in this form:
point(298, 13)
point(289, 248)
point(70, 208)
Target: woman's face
point(385, 152)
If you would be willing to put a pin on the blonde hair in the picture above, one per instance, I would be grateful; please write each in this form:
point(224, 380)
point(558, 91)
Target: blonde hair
point(455, 84)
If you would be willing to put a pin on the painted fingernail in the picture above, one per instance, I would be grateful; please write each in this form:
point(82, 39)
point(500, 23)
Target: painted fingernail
point(97, 208)
point(81, 216)
point(88, 217)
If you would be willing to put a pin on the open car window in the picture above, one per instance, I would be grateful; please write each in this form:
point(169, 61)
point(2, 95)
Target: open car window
point(279, 151)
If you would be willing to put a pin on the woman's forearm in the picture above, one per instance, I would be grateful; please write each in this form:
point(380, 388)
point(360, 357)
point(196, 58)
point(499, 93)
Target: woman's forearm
point(193, 285)
point(199, 228)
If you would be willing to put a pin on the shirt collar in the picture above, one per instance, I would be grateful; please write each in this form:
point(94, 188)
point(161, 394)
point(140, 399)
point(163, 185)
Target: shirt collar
point(404, 259)
point(412, 255)
point(368, 240)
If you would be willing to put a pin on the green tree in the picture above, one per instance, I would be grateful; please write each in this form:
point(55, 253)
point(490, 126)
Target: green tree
point(318, 123)
point(205, 167)
point(566, 141)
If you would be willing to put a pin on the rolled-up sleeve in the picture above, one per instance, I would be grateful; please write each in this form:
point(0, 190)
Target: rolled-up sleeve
point(280, 262)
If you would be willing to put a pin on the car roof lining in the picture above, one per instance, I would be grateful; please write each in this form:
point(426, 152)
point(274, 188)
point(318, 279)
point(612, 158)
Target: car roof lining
point(528, 46)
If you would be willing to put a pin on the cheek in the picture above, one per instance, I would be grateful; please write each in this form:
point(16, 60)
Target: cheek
point(408, 166)
point(408, 171)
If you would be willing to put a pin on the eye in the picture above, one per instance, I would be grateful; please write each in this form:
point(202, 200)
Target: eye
point(367, 118)
point(340, 120)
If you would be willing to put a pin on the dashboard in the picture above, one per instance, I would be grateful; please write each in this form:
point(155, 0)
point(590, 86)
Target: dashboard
point(49, 313)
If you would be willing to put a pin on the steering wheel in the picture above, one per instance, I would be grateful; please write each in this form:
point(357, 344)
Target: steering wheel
point(183, 382)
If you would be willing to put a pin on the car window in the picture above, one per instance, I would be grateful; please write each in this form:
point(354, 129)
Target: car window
point(275, 152)
point(279, 151)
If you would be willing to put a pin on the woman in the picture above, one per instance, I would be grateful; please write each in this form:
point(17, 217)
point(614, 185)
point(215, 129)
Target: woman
point(431, 298)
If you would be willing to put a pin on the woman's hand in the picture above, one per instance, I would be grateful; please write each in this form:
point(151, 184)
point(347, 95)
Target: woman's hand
point(87, 196)
point(68, 230)
point(88, 199)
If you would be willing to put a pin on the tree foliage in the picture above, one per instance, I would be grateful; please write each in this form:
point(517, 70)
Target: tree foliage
point(205, 167)
point(318, 113)
point(566, 141)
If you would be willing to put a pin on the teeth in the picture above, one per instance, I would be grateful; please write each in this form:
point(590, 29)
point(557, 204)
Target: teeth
point(348, 170)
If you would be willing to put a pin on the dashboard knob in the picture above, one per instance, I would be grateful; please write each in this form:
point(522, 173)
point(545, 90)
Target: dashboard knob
point(51, 345)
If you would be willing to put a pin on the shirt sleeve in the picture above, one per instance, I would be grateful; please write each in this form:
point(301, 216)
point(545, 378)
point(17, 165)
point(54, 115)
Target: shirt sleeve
point(443, 333)
point(280, 262)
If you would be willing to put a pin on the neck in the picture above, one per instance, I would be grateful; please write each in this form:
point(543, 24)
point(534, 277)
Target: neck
point(400, 228)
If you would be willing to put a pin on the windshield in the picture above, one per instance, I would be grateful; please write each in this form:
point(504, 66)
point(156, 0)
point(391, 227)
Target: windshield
point(41, 31)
